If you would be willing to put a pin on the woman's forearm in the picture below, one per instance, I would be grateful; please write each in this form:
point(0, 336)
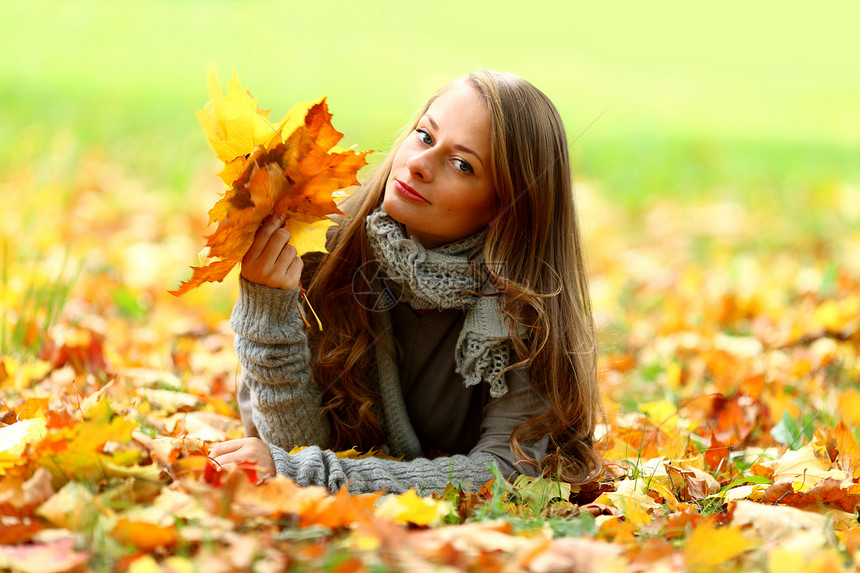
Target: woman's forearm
point(314, 466)
point(272, 349)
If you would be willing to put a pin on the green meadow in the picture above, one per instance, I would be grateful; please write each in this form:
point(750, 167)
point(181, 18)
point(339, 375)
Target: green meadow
point(664, 99)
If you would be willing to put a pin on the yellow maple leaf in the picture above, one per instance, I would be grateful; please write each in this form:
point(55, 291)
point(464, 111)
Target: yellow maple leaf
point(709, 546)
point(75, 451)
point(233, 122)
point(805, 468)
point(14, 439)
point(408, 507)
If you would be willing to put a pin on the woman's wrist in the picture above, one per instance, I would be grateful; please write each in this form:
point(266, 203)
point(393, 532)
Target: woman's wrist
point(262, 309)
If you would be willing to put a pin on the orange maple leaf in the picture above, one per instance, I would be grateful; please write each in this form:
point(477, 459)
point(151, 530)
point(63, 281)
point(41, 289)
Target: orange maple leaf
point(293, 170)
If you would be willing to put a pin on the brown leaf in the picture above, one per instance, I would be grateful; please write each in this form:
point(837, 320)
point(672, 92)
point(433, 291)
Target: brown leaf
point(774, 522)
point(828, 491)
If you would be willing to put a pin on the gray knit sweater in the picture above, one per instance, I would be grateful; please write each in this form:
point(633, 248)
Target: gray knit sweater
point(428, 408)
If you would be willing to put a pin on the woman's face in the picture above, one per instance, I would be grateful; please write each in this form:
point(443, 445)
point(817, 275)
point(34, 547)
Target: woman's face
point(439, 186)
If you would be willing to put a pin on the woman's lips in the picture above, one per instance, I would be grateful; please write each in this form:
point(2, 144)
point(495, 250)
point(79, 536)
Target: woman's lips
point(408, 192)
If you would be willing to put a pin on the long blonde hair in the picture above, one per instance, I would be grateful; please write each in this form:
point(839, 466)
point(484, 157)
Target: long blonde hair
point(534, 255)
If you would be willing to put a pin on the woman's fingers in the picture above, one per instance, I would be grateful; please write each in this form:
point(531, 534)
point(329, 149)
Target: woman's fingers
point(288, 268)
point(249, 451)
point(227, 447)
point(229, 459)
point(271, 261)
point(277, 247)
point(261, 239)
point(293, 276)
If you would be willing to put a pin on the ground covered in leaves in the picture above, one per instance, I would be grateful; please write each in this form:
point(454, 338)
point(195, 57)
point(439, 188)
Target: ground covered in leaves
point(729, 364)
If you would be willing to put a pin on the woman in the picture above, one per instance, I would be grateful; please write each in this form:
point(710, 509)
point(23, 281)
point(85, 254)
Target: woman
point(457, 322)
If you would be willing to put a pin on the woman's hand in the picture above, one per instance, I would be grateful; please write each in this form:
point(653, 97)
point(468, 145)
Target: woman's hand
point(247, 450)
point(270, 261)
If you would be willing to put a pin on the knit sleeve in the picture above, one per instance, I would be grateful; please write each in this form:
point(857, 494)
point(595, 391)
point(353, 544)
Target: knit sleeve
point(504, 413)
point(272, 348)
point(313, 466)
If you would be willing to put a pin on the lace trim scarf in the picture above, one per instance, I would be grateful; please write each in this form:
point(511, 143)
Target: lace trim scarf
point(443, 278)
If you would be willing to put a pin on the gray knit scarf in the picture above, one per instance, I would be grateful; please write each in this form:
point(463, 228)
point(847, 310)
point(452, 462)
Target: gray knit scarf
point(443, 278)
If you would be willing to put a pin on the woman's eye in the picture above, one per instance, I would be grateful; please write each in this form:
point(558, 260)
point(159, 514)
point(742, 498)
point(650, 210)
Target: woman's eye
point(463, 166)
point(424, 137)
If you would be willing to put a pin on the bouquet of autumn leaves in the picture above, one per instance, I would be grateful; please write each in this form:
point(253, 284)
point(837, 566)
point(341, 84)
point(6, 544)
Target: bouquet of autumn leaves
point(291, 169)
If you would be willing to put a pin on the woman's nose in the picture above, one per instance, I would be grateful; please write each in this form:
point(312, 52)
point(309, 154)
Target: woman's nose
point(419, 165)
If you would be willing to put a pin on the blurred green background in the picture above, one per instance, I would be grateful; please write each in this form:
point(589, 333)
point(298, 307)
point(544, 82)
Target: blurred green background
point(753, 101)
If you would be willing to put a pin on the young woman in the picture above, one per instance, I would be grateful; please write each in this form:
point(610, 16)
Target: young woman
point(457, 322)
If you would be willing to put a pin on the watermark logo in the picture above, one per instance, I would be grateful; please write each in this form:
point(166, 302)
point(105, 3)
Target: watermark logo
point(378, 299)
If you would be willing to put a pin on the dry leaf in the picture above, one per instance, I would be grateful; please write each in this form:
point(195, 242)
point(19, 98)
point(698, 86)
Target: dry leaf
point(709, 546)
point(837, 493)
point(408, 507)
point(15, 438)
point(773, 522)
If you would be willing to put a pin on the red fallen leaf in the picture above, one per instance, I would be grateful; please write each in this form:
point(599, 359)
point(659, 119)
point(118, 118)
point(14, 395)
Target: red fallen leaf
point(212, 473)
point(62, 419)
point(340, 510)
point(588, 492)
point(83, 350)
point(679, 524)
point(828, 491)
point(733, 418)
point(17, 533)
point(717, 454)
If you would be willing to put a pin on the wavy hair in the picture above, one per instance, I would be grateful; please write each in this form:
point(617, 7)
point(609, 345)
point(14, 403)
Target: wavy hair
point(533, 252)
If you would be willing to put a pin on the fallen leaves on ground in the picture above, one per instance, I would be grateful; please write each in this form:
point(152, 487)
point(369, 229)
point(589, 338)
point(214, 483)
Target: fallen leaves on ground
point(729, 366)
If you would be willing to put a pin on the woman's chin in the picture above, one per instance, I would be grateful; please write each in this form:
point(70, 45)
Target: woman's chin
point(394, 206)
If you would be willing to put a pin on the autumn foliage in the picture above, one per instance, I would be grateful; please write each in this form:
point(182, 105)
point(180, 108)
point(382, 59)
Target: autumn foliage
point(293, 169)
point(729, 363)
